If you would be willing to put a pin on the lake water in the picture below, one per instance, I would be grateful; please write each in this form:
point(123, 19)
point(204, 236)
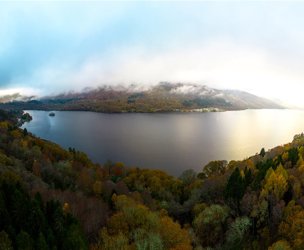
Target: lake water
point(172, 142)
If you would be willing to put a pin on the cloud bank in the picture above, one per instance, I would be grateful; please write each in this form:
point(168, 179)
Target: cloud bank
point(47, 48)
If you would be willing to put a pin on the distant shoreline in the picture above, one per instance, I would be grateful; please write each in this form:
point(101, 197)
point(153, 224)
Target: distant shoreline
point(158, 112)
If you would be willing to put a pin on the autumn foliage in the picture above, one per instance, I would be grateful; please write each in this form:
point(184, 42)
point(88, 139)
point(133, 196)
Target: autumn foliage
point(52, 198)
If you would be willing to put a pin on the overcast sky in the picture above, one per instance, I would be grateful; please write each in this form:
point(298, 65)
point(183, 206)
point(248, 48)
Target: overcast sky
point(49, 47)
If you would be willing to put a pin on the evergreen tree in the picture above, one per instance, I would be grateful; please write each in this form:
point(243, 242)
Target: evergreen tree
point(24, 241)
point(41, 243)
point(5, 242)
point(235, 189)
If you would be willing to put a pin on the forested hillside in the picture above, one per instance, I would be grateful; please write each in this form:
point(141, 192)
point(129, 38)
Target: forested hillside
point(51, 198)
point(164, 97)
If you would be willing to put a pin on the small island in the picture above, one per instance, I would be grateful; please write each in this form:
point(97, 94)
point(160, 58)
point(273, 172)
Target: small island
point(51, 114)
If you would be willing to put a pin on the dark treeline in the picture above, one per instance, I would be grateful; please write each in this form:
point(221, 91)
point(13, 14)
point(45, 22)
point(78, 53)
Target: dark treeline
point(51, 198)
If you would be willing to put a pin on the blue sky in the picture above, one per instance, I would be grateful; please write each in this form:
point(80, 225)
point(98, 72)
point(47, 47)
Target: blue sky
point(49, 47)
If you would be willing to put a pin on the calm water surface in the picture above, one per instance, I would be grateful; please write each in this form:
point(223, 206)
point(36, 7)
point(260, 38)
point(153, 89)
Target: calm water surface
point(172, 142)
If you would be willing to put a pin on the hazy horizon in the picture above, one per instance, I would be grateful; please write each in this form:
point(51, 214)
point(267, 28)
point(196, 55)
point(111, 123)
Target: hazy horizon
point(53, 47)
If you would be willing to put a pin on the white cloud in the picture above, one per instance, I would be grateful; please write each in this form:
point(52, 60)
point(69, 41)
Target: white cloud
point(43, 43)
point(22, 91)
point(219, 64)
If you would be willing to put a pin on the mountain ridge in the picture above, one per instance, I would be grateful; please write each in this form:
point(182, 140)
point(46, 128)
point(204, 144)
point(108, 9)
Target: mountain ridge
point(163, 97)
